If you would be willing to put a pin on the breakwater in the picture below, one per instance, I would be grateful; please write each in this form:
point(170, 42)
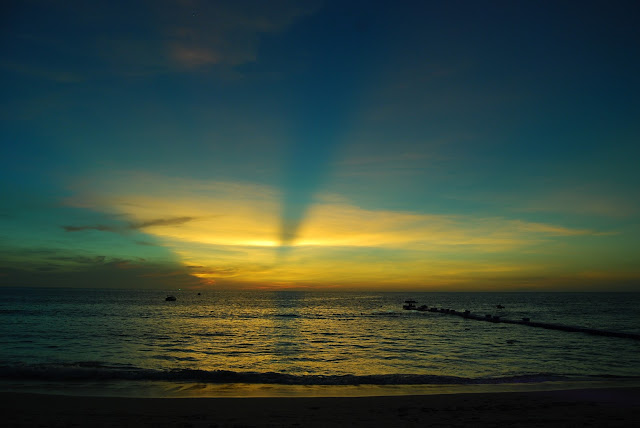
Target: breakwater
point(410, 305)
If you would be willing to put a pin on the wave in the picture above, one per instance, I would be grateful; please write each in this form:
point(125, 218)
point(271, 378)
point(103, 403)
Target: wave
point(96, 371)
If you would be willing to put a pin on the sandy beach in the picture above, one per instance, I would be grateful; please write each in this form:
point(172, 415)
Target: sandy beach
point(615, 407)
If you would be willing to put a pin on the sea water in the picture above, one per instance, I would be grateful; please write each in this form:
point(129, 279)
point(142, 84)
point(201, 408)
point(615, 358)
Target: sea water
point(111, 339)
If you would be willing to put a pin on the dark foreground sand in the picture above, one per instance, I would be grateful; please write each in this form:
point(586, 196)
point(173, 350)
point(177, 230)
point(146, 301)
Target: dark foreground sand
point(616, 407)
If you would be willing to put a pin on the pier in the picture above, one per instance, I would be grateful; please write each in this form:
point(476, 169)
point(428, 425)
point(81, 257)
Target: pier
point(524, 321)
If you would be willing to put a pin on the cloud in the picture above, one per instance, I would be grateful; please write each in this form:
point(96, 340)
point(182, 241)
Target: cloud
point(228, 213)
point(100, 227)
point(347, 225)
point(64, 268)
point(236, 237)
point(246, 215)
point(583, 200)
point(141, 38)
point(79, 259)
point(174, 221)
point(162, 222)
point(550, 229)
point(202, 33)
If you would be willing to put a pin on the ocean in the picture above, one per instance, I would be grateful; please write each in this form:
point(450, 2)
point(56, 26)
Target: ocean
point(210, 343)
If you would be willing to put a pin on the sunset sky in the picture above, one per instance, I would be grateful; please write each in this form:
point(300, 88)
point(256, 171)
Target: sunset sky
point(379, 145)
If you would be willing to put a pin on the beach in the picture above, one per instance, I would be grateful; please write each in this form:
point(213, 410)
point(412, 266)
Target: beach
point(612, 407)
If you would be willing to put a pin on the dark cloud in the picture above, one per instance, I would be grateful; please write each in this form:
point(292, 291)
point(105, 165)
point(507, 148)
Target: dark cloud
point(173, 221)
point(80, 259)
point(61, 267)
point(140, 38)
point(100, 227)
point(205, 33)
point(98, 272)
point(162, 222)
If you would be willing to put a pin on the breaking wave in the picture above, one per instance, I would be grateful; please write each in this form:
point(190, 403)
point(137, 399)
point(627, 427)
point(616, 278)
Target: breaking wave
point(96, 371)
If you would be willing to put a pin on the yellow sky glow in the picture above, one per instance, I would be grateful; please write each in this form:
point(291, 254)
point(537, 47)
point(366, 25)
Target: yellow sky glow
point(233, 229)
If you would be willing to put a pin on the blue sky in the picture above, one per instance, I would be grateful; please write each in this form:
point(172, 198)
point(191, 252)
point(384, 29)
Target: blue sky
point(313, 145)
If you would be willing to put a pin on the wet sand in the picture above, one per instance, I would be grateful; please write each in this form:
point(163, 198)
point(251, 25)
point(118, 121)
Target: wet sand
point(613, 407)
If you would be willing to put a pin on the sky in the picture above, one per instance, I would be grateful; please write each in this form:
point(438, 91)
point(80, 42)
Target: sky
point(320, 145)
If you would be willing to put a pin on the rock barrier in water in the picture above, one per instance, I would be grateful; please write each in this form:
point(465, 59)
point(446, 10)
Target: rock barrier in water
point(526, 321)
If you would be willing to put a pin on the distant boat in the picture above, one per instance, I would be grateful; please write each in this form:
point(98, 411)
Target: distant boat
point(409, 305)
point(170, 299)
point(499, 306)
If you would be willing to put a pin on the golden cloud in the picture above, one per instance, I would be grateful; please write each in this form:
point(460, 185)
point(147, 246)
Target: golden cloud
point(234, 227)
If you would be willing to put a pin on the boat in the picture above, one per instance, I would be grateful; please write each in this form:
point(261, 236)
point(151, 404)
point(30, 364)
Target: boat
point(170, 299)
point(409, 305)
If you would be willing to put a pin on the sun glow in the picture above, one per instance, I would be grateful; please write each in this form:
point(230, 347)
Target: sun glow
point(221, 237)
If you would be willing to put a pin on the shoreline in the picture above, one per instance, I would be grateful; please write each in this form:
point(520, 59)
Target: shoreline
point(613, 407)
point(188, 389)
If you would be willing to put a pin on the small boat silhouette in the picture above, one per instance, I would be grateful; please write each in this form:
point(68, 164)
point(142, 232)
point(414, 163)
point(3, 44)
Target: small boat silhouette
point(409, 305)
point(170, 299)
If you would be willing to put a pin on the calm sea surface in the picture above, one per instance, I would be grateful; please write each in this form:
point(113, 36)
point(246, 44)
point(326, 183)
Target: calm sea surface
point(310, 338)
